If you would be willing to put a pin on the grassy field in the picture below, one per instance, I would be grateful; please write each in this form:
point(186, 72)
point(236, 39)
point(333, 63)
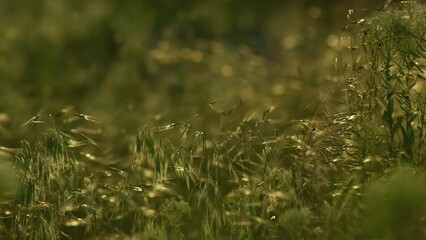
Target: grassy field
point(212, 122)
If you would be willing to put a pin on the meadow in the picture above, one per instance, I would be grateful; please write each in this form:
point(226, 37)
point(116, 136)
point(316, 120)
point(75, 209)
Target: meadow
point(211, 122)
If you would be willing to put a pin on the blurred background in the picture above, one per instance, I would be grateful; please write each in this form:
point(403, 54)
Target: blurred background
point(135, 62)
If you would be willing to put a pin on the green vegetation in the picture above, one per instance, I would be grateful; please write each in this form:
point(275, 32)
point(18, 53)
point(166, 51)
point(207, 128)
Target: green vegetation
point(227, 148)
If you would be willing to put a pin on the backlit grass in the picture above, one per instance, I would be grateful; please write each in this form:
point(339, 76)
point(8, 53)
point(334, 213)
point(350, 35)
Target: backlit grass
point(351, 167)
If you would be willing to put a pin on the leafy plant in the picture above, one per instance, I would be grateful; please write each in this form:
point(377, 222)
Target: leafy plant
point(388, 76)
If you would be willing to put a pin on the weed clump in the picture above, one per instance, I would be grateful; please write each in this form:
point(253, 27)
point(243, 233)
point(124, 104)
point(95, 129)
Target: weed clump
point(388, 77)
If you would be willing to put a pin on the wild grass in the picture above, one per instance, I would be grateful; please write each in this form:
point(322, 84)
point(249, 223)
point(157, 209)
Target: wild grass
point(354, 174)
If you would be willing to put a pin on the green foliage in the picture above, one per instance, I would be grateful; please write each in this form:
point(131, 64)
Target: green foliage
point(389, 75)
point(394, 206)
point(294, 221)
point(240, 169)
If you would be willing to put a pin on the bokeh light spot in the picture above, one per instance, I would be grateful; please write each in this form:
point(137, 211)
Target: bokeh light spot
point(314, 12)
point(332, 40)
point(290, 41)
point(227, 71)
